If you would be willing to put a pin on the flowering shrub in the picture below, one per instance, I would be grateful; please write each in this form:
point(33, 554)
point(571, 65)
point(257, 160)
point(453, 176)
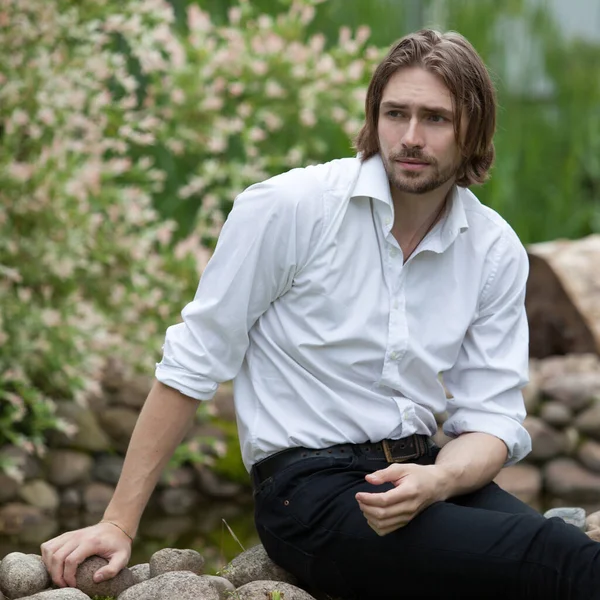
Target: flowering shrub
point(123, 146)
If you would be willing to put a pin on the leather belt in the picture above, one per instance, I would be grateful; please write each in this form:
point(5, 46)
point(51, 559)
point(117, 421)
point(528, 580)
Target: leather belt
point(407, 449)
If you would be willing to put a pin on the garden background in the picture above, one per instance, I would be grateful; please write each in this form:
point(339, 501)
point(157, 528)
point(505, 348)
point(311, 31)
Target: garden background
point(128, 128)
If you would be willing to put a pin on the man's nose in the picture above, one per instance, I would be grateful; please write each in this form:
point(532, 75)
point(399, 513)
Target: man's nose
point(413, 137)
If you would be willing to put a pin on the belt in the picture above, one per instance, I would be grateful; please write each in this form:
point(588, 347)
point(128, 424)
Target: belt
point(393, 451)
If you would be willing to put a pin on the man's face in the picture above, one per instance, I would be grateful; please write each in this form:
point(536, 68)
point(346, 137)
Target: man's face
point(416, 132)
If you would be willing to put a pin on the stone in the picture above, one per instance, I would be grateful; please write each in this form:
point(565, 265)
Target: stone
point(523, 481)
point(141, 572)
point(119, 422)
point(89, 436)
point(224, 587)
point(108, 468)
point(96, 497)
point(40, 494)
point(8, 488)
point(15, 517)
point(180, 477)
point(161, 528)
point(131, 392)
point(593, 520)
point(27, 464)
point(556, 414)
point(572, 515)
point(260, 590)
point(594, 534)
point(22, 575)
point(178, 501)
point(59, 594)
point(575, 390)
point(214, 487)
point(589, 455)
point(70, 499)
point(182, 585)
point(111, 587)
point(253, 565)
point(68, 467)
point(568, 364)
point(567, 479)
point(175, 559)
point(588, 422)
point(546, 441)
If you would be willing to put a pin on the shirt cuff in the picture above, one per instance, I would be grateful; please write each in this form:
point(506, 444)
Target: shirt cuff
point(187, 383)
point(511, 432)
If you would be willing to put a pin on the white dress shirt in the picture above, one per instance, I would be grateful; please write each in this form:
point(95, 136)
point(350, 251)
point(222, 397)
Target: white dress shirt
point(331, 338)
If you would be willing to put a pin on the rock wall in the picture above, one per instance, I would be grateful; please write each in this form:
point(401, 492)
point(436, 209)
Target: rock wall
point(78, 475)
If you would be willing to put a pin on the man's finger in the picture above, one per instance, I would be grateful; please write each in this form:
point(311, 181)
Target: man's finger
point(56, 562)
point(391, 473)
point(383, 499)
point(389, 512)
point(115, 565)
point(73, 560)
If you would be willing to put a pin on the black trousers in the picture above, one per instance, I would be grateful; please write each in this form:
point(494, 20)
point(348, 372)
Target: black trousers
point(486, 545)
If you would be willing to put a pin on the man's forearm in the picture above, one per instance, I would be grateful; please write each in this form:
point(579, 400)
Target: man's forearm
point(469, 462)
point(164, 420)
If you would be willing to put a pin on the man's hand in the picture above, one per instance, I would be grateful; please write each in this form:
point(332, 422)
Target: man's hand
point(416, 488)
point(63, 554)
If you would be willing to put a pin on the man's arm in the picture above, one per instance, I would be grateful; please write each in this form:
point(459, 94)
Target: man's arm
point(164, 420)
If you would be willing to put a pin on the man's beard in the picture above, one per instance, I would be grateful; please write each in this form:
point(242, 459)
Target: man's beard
point(416, 182)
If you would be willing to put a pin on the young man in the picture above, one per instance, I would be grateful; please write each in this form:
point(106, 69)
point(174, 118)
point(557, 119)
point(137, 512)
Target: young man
point(336, 296)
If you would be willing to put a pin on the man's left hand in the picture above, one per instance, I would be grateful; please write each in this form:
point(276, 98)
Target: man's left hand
point(415, 488)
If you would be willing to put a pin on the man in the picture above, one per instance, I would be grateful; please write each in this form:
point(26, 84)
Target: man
point(336, 297)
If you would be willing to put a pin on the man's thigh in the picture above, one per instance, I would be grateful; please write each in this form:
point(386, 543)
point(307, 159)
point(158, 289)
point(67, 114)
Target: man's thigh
point(311, 524)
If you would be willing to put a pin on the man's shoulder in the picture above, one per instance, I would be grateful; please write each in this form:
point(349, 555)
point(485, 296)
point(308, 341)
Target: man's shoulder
point(485, 221)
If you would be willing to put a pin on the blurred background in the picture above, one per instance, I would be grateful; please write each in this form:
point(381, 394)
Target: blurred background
point(127, 129)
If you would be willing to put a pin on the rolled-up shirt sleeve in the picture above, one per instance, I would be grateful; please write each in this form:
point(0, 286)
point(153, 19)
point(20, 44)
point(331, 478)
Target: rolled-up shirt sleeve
point(267, 236)
point(492, 366)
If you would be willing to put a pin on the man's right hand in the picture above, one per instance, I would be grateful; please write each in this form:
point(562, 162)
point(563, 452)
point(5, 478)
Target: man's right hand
point(63, 554)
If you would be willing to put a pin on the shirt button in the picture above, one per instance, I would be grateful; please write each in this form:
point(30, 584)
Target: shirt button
point(388, 221)
point(395, 304)
point(393, 355)
point(393, 252)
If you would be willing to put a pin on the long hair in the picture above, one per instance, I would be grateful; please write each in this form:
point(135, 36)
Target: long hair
point(452, 58)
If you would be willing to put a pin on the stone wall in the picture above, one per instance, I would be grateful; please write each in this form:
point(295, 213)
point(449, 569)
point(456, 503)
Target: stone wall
point(78, 475)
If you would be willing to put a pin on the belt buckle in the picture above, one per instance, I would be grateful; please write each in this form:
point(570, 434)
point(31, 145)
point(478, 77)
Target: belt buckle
point(395, 450)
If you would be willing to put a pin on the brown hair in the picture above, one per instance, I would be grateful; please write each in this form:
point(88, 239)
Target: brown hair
point(452, 58)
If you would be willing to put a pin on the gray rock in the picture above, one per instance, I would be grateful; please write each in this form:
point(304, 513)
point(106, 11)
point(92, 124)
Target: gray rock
point(259, 590)
point(572, 515)
point(141, 572)
point(16, 517)
point(40, 494)
point(593, 520)
point(61, 594)
point(111, 587)
point(178, 501)
point(119, 422)
point(68, 467)
point(566, 478)
point(175, 559)
point(108, 469)
point(8, 488)
point(22, 575)
point(556, 414)
point(96, 497)
point(182, 585)
point(575, 390)
point(546, 441)
point(28, 465)
point(588, 421)
point(589, 455)
point(89, 436)
point(213, 486)
point(180, 477)
point(254, 565)
point(224, 587)
point(71, 499)
point(523, 481)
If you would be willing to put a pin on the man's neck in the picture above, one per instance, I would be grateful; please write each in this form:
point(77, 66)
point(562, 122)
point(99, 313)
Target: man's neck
point(416, 214)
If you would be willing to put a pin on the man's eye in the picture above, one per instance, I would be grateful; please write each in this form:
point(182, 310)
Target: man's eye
point(394, 114)
point(436, 118)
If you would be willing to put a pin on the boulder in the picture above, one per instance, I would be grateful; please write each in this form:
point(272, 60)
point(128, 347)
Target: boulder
point(89, 436)
point(96, 497)
point(16, 517)
point(175, 559)
point(546, 441)
point(588, 422)
point(9, 488)
point(593, 520)
point(180, 477)
point(260, 590)
point(119, 422)
point(594, 534)
point(26, 464)
point(589, 455)
point(253, 565)
point(178, 501)
point(22, 575)
point(68, 467)
point(213, 486)
point(523, 481)
point(567, 479)
point(575, 390)
point(141, 572)
point(40, 494)
point(60, 594)
point(224, 587)
point(108, 469)
point(182, 585)
point(111, 587)
point(556, 414)
point(572, 515)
